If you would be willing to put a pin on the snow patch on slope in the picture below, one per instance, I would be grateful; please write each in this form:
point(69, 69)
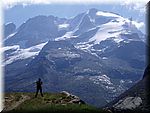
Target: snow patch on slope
point(66, 36)
point(15, 47)
point(61, 54)
point(19, 54)
point(9, 36)
point(107, 14)
point(101, 79)
point(63, 26)
point(110, 29)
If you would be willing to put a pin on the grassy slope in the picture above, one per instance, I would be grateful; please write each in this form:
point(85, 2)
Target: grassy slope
point(51, 102)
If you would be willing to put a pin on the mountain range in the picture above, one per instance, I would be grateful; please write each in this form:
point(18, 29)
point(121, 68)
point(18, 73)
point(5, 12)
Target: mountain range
point(95, 55)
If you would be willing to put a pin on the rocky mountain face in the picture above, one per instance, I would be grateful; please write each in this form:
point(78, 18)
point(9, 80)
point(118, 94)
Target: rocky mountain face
point(9, 28)
point(96, 55)
point(135, 99)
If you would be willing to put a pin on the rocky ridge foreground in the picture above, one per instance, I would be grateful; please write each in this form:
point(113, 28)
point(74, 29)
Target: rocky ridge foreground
point(51, 102)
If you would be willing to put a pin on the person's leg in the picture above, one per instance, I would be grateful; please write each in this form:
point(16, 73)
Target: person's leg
point(37, 90)
point(41, 92)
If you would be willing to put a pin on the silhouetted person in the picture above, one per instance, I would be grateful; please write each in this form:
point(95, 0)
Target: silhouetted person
point(39, 87)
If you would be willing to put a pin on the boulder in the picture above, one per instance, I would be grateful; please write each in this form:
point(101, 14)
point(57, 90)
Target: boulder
point(73, 98)
point(128, 103)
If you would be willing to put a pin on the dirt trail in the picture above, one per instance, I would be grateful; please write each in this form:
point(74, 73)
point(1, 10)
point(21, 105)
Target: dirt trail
point(17, 103)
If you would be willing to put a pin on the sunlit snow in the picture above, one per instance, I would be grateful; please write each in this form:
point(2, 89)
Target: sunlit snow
point(18, 53)
point(63, 26)
point(107, 14)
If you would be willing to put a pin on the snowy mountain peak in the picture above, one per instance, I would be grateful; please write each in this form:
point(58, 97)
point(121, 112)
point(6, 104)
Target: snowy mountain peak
point(92, 12)
point(95, 13)
point(106, 14)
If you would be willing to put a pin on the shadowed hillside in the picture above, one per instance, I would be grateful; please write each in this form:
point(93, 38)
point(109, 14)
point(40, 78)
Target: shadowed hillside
point(136, 99)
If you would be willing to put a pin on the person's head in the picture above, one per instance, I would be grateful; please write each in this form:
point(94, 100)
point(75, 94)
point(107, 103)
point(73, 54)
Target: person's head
point(39, 79)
